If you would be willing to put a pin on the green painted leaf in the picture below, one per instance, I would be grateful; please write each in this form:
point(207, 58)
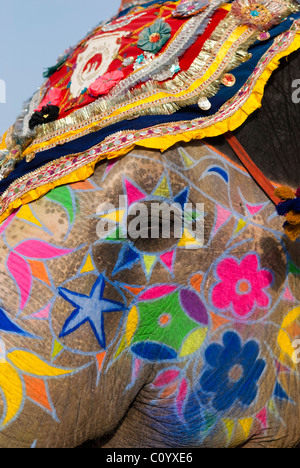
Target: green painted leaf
point(63, 196)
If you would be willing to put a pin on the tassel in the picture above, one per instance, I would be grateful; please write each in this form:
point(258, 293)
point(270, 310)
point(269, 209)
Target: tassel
point(290, 208)
point(284, 193)
point(60, 62)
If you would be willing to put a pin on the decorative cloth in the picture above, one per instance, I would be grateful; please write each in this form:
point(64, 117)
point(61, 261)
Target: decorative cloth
point(157, 73)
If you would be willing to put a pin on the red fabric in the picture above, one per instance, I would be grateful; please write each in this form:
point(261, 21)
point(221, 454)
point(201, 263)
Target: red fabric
point(61, 79)
point(188, 58)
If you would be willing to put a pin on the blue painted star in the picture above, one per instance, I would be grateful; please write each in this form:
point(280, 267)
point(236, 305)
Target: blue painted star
point(89, 309)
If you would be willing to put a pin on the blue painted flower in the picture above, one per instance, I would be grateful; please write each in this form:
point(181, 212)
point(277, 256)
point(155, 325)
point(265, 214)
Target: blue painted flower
point(233, 372)
point(152, 39)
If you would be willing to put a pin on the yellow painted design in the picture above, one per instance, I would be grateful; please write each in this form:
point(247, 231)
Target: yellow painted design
point(226, 6)
point(240, 226)
point(88, 266)
point(116, 216)
point(290, 317)
point(11, 383)
point(285, 344)
point(163, 189)
point(188, 240)
point(26, 214)
point(149, 261)
point(193, 342)
point(229, 423)
point(272, 407)
point(33, 365)
point(132, 323)
point(121, 347)
point(12, 390)
point(246, 425)
point(187, 161)
point(56, 349)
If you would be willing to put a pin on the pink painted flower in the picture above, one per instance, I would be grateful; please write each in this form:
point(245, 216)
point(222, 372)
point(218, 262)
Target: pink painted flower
point(105, 82)
point(53, 98)
point(242, 285)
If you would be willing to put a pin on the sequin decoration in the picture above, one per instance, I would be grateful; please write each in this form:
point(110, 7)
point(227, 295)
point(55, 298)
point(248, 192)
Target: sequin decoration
point(264, 36)
point(228, 80)
point(190, 7)
point(128, 61)
point(204, 103)
point(261, 14)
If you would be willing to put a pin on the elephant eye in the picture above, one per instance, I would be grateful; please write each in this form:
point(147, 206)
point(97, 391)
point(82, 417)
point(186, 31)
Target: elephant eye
point(154, 226)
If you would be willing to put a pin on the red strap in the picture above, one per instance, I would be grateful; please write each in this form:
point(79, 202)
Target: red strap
point(253, 170)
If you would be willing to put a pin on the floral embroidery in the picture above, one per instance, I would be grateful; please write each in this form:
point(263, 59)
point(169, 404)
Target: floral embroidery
point(242, 285)
point(260, 14)
point(104, 83)
point(152, 39)
point(92, 62)
point(234, 371)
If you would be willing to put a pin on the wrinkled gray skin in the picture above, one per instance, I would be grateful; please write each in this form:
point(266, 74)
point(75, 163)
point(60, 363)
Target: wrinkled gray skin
point(110, 405)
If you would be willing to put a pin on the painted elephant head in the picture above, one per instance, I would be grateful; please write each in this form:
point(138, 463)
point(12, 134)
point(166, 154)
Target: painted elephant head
point(109, 332)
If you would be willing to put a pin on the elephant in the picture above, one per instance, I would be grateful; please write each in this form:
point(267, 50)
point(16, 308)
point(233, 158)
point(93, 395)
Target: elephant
point(110, 340)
